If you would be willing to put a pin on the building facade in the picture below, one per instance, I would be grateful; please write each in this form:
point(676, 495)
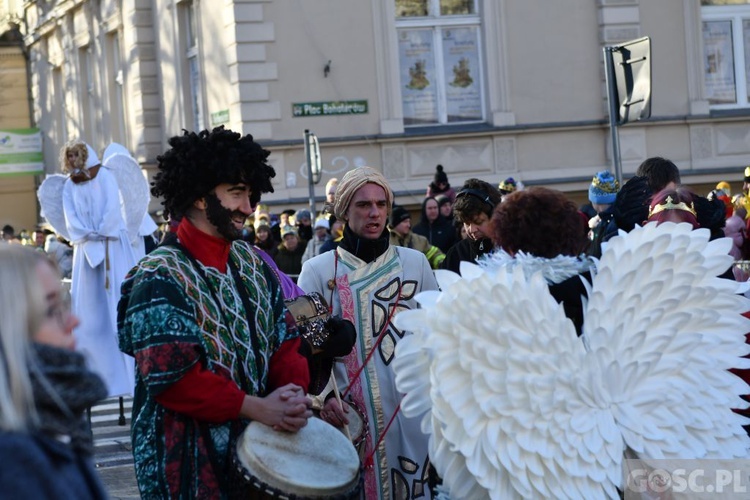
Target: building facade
point(486, 88)
point(18, 206)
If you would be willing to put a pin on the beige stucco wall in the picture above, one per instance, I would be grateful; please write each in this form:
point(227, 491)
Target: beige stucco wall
point(545, 94)
point(18, 206)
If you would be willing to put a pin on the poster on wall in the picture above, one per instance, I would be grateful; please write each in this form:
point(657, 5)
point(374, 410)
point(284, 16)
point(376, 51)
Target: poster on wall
point(719, 62)
point(461, 66)
point(418, 85)
point(21, 151)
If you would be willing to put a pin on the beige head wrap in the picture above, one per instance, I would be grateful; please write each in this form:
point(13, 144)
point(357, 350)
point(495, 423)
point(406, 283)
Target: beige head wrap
point(352, 181)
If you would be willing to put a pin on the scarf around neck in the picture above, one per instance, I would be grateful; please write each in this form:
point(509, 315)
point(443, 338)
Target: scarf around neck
point(364, 249)
point(63, 388)
point(206, 249)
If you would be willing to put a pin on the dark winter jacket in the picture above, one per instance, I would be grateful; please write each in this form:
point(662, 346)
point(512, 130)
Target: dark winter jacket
point(466, 250)
point(441, 233)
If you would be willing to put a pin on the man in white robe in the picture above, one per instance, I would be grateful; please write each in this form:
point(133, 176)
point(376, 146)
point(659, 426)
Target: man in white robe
point(367, 281)
point(102, 256)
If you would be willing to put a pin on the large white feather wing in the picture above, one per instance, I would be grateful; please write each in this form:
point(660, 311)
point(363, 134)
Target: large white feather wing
point(494, 362)
point(517, 408)
point(50, 196)
point(665, 330)
point(134, 189)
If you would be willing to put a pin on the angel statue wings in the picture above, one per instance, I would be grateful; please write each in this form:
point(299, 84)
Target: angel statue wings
point(100, 207)
point(538, 373)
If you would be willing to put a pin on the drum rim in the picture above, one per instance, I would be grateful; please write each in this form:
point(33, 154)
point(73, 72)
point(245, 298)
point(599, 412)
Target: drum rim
point(262, 487)
point(267, 478)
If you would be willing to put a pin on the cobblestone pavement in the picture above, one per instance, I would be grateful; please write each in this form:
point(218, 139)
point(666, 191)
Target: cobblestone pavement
point(112, 449)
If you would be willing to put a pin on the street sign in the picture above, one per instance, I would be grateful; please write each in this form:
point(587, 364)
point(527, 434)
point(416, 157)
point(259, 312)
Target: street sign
point(329, 108)
point(632, 71)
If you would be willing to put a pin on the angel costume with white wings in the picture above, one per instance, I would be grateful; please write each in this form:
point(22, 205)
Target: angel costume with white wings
point(518, 406)
point(101, 218)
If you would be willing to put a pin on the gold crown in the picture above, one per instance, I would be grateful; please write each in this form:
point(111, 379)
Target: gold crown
point(606, 186)
point(669, 204)
point(508, 185)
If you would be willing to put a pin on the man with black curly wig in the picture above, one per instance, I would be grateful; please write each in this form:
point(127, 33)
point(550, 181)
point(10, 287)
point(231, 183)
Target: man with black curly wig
point(205, 320)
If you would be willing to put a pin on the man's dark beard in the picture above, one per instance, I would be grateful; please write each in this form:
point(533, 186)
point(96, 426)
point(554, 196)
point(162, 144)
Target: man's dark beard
point(221, 218)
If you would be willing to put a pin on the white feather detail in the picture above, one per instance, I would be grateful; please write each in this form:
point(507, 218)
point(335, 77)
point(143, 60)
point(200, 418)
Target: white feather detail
point(518, 407)
point(134, 189)
point(50, 196)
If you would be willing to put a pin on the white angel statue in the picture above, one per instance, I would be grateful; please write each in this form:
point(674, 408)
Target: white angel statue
point(517, 405)
point(99, 210)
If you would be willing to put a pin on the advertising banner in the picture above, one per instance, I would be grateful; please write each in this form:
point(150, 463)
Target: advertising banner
point(21, 151)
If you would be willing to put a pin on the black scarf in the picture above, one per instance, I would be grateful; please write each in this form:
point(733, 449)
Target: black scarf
point(63, 389)
point(364, 249)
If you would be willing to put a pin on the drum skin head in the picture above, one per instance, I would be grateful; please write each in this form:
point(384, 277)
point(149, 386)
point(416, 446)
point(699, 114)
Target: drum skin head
point(318, 461)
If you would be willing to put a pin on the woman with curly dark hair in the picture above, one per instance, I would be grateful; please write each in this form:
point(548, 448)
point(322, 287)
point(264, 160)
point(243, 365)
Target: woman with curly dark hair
point(539, 221)
point(540, 229)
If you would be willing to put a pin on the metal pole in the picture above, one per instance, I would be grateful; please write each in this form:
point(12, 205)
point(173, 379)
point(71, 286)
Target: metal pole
point(310, 184)
point(613, 111)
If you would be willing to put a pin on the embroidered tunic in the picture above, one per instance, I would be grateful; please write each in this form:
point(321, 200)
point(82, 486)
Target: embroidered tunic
point(366, 294)
point(169, 321)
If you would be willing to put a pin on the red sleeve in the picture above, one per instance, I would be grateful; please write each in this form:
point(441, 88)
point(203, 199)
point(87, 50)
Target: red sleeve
point(287, 365)
point(744, 374)
point(203, 395)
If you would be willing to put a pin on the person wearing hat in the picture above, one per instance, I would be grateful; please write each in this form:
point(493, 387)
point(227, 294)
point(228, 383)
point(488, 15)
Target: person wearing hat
point(602, 194)
point(264, 239)
point(367, 280)
point(440, 185)
point(746, 182)
point(508, 186)
point(285, 219)
point(289, 252)
point(102, 256)
point(320, 237)
point(403, 236)
point(726, 187)
point(303, 222)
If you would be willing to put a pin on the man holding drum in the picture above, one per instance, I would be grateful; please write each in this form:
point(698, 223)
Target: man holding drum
point(205, 320)
point(368, 281)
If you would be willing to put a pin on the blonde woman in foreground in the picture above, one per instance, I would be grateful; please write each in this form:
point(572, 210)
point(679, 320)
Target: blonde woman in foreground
point(45, 387)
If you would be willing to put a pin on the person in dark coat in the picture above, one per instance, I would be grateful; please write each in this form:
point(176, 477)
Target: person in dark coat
point(45, 442)
point(438, 230)
point(631, 203)
point(473, 208)
point(602, 195)
point(440, 185)
point(289, 255)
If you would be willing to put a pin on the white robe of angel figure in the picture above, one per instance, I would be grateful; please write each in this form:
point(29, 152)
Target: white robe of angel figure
point(102, 256)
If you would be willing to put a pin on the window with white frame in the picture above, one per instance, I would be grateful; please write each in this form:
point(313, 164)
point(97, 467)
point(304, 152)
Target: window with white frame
point(88, 93)
point(726, 47)
point(190, 40)
point(440, 63)
point(116, 79)
point(57, 104)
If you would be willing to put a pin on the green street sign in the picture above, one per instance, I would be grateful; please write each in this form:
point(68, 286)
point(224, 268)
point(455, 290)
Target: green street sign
point(329, 108)
point(220, 117)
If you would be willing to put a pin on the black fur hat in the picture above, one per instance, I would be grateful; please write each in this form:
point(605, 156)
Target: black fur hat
point(398, 215)
point(440, 176)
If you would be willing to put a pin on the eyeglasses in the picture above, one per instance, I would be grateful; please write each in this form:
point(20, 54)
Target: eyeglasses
point(59, 310)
